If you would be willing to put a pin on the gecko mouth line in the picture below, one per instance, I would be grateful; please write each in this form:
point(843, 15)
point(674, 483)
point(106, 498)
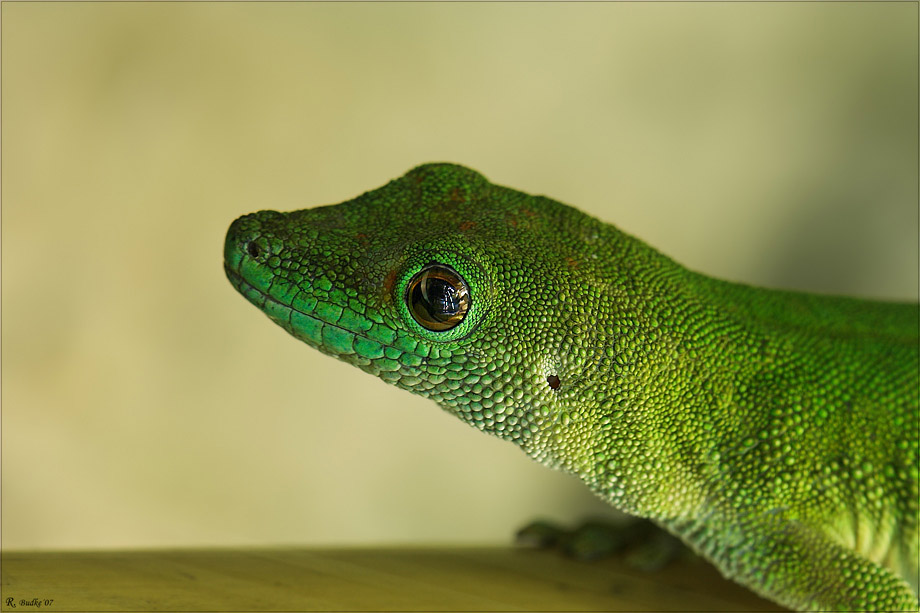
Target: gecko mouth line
point(241, 283)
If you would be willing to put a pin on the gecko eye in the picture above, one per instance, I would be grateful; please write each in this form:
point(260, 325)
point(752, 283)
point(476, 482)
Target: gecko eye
point(438, 297)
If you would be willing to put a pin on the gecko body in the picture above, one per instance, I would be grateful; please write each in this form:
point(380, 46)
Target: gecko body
point(775, 432)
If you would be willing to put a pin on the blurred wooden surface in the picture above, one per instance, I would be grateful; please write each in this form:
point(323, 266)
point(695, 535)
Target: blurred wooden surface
point(383, 579)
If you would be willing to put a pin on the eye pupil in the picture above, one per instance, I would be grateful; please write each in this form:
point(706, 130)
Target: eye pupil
point(443, 296)
point(438, 297)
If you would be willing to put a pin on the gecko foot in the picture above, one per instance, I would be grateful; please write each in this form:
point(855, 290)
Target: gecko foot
point(644, 545)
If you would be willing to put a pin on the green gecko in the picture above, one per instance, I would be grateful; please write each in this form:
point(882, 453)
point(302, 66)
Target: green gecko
point(775, 432)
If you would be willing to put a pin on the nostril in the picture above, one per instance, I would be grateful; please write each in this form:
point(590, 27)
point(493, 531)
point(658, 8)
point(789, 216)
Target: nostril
point(253, 250)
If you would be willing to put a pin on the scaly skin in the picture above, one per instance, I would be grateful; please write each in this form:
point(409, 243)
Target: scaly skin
point(775, 432)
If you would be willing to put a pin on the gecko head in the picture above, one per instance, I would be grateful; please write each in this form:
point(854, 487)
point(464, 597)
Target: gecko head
point(445, 285)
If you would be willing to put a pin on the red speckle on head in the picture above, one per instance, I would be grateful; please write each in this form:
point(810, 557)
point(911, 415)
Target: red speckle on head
point(388, 284)
point(572, 262)
point(466, 225)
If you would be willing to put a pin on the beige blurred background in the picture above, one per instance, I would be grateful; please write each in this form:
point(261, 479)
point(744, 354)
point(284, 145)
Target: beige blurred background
point(145, 403)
